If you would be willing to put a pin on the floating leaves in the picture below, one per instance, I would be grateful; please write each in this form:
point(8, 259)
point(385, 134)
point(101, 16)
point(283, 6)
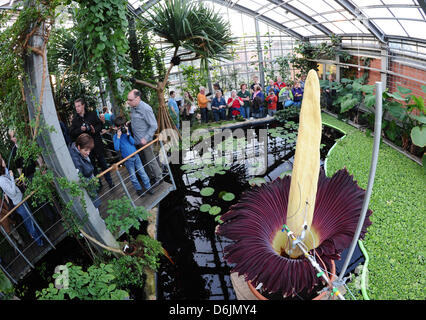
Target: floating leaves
point(205, 207)
point(285, 173)
point(228, 196)
point(256, 181)
point(207, 192)
point(218, 219)
point(215, 210)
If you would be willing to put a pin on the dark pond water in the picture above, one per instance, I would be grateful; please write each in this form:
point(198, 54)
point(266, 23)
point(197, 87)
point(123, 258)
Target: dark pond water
point(199, 272)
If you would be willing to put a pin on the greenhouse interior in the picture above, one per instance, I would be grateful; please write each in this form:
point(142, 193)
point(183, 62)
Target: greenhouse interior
point(124, 123)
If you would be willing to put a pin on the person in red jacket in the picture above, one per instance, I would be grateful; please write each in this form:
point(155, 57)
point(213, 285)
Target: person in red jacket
point(280, 84)
point(272, 103)
point(234, 104)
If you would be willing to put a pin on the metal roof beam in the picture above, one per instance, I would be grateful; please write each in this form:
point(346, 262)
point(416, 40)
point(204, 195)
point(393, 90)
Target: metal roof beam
point(422, 3)
point(356, 12)
point(267, 20)
point(302, 16)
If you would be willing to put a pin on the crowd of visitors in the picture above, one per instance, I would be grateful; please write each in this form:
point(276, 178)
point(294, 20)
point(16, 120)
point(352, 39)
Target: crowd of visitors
point(87, 137)
point(243, 104)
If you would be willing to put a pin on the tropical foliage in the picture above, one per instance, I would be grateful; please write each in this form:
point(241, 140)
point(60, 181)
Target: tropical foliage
point(200, 33)
point(97, 283)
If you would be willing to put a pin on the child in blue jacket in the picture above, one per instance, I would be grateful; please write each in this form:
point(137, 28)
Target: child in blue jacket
point(125, 143)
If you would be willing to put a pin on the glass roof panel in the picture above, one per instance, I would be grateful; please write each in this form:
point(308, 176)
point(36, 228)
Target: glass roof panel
point(391, 26)
point(410, 13)
point(347, 26)
point(391, 17)
point(415, 29)
point(378, 13)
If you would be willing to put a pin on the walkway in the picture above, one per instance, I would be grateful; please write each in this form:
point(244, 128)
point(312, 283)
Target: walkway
point(16, 260)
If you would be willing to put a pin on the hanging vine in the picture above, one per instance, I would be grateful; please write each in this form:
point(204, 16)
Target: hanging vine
point(101, 27)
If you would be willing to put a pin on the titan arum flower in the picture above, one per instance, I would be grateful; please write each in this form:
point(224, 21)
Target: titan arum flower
point(323, 211)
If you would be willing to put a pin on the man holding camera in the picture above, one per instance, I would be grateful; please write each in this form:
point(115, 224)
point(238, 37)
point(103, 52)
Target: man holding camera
point(88, 122)
point(143, 126)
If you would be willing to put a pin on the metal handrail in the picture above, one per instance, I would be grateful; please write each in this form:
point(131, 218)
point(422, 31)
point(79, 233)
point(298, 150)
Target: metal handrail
point(115, 165)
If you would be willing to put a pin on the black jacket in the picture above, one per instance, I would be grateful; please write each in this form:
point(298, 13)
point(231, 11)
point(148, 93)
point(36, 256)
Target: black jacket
point(84, 165)
point(90, 118)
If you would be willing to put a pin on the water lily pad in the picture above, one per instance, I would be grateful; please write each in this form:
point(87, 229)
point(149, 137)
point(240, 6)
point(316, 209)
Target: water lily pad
point(222, 193)
point(215, 210)
point(187, 167)
point(257, 181)
point(228, 196)
point(205, 207)
point(207, 192)
point(285, 173)
point(218, 219)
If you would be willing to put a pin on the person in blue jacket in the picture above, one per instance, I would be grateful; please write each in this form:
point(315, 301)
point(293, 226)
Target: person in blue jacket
point(125, 143)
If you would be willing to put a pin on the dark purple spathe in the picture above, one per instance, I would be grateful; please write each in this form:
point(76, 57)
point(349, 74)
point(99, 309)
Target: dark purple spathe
point(261, 212)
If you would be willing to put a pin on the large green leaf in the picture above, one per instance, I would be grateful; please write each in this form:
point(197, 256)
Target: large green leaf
point(418, 136)
point(420, 118)
point(348, 103)
point(370, 100)
point(419, 103)
point(396, 109)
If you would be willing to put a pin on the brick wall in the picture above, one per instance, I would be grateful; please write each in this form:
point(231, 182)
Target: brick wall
point(394, 81)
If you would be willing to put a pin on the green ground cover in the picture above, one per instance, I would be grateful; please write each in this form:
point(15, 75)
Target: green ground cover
point(396, 240)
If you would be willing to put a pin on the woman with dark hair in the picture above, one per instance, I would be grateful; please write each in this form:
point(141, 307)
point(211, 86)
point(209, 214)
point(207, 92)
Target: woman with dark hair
point(188, 103)
point(258, 99)
point(80, 151)
point(244, 94)
point(12, 192)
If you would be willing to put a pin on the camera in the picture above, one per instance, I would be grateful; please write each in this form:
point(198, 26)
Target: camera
point(87, 126)
point(123, 130)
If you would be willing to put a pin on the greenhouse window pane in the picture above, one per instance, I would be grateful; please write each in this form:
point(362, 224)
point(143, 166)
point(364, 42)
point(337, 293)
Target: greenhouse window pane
point(346, 26)
point(303, 31)
point(410, 13)
point(415, 29)
point(274, 16)
point(360, 26)
point(410, 2)
point(390, 27)
point(377, 13)
point(252, 5)
point(314, 30)
point(334, 17)
point(305, 9)
point(317, 5)
point(292, 25)
point(364, 3)
point(333, 28)
point(334, 4)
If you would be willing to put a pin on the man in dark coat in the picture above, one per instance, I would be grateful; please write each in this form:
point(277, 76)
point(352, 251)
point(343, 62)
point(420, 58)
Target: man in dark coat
point(89, 122)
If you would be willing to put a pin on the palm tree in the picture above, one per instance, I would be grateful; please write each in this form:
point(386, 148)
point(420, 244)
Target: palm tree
point(189, 25)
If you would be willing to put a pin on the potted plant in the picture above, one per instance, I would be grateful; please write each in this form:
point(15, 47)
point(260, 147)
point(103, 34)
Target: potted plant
point(320, 212)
